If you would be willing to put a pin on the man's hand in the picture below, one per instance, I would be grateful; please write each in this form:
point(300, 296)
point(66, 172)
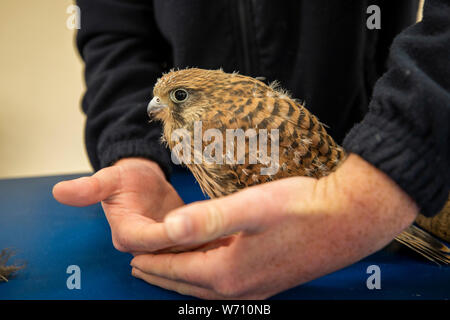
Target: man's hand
point(290, 231)
point(134, 194)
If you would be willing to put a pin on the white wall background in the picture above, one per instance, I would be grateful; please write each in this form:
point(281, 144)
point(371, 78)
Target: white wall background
point(41, 84)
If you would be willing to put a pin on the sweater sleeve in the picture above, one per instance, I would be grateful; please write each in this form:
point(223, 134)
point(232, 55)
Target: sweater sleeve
point(406, 131)
point(124, 54)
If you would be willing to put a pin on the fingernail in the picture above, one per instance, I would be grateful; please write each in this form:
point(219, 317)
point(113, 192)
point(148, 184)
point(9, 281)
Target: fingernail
point(178, 226)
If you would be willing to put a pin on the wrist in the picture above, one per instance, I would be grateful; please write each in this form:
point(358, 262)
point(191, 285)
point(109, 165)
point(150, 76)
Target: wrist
point(358, 209)
point(360, 188)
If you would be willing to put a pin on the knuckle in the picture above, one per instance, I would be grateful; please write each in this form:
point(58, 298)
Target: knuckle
point(214, 221)
point(170, 268)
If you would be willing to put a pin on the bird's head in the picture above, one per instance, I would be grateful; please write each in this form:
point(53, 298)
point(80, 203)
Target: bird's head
point(180, 97)
point(183, 96)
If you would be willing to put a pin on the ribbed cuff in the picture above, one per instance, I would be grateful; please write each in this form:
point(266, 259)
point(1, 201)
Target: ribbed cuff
point(152, 150)
point(409, 160)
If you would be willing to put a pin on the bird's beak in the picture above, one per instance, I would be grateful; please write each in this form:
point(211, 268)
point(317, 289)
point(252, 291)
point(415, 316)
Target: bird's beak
point(155, 106)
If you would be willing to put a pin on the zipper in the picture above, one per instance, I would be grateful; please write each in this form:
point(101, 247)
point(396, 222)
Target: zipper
point(245, 36)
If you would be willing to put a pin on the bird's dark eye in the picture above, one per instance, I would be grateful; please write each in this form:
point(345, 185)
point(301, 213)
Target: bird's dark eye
point(179, 95)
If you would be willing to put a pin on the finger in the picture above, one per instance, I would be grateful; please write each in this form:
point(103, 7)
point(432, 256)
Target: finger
point(193, 267)
point(139, 234)
point(180, 287)
point(88, 190)
point(221, 242)
point(250, 210)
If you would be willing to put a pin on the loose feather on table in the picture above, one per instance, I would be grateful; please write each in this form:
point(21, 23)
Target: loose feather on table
point(222, 101)
point(6, 271)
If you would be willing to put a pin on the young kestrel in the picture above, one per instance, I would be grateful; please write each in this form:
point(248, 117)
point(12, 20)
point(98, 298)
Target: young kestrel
point(222, 101)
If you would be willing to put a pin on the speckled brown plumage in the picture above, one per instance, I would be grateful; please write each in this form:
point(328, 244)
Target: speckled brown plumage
point(232, 101)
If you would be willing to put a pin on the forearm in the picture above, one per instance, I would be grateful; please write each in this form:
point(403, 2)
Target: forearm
point(355, 212)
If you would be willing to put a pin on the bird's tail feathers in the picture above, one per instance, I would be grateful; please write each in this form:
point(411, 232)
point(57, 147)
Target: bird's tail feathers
point(425, 244)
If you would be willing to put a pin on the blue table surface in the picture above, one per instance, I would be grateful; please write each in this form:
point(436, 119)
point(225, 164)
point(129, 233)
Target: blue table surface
point(49, 237)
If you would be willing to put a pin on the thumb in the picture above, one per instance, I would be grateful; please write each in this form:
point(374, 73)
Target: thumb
point(250, 210)
point(85, 191)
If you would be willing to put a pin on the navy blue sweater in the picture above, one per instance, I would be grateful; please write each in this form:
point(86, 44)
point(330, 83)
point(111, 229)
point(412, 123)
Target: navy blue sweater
point(396, 115)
